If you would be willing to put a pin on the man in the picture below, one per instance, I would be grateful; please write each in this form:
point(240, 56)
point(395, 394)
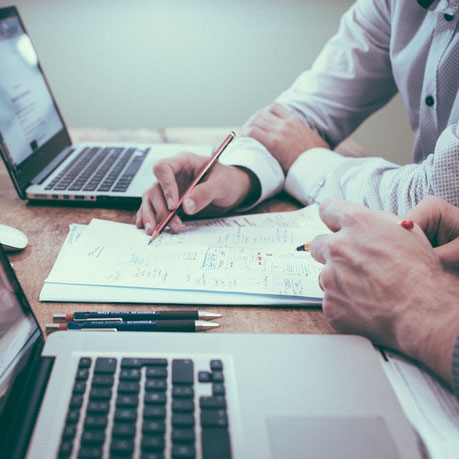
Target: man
point(389, 284)
point(382, 46)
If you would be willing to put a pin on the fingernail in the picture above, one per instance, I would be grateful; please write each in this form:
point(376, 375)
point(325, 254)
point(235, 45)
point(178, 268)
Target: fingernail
point(170, 203)
point(175, 227)
point(189, 205)
point(147, 227)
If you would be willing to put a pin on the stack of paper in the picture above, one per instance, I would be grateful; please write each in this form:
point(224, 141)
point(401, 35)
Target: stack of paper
point(236, 260)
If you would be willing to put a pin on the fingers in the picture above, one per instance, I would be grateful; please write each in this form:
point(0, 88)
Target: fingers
point(280, 111)
point(199, 197)
point(319, 248)
point(449, 255)
point(336, 213)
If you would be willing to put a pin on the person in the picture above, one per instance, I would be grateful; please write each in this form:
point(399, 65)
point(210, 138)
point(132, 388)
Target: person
point(398, 287)
point(381, 47)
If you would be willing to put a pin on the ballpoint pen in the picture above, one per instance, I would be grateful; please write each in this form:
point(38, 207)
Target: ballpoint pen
point(213, 159)
point(121, 316)
point(138, 325)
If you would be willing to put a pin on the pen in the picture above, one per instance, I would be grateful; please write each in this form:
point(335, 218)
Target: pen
point(213, 159)
point(306, 247)
point(120, 316)
point(139, 325)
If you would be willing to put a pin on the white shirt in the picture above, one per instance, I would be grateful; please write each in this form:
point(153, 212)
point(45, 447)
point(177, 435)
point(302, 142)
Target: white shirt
point(382, 46)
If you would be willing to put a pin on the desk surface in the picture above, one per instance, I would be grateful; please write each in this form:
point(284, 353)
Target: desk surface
point(47, 226)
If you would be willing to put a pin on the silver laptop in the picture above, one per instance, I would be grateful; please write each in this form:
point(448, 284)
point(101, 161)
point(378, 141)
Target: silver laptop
point(35, 144)
point(161, 395)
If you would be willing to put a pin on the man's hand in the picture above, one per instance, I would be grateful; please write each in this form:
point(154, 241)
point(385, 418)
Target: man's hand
point(283, 134)
point(440, 222)
point(224, 188)
point(387, 283)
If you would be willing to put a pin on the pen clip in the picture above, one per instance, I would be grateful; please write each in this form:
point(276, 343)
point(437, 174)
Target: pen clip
point(94, 329)
point(101, 319)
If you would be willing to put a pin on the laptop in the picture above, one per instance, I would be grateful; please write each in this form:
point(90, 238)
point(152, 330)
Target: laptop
point(36, 147)
point(185, 395)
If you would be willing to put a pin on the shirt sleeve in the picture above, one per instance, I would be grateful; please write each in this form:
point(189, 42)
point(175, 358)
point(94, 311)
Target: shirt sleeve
point(376, 183)
point(352, 76)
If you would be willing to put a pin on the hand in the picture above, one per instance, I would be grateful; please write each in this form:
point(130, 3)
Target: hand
point(224, 188)
point(387, 283)
point(440, 222)
point(283, 134)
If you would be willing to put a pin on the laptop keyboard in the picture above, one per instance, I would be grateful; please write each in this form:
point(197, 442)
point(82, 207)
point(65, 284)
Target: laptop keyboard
point(145, 408)
point(99, 169)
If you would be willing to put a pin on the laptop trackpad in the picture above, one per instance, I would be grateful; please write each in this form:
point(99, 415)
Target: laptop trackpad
point(330, 437)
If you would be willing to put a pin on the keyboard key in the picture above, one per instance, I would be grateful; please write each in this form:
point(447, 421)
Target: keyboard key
point(214, 418)
point(95, 422)
point(183, 451)
point(156, 372)
point(216, 365)
point(122, 446)
point(182, 420)
point(153, 443)
point(182, 405)
point(182, 371)
point(100, 393)
point(127, 401)
point(90, 452)
point(218, 389)
point(183, 392)
point(212, 402)
point(104, 365)
point(65, 450)
point(130, 374)
point(138, 363)
point(154, 412)
point(204, 376)
point(159, 385)
point(69, 431)
point(98, 407)
point(217, 377)
point(215, 444)
point(155, 398)
point(183, 436)
point(153, 427)
point(125, 415)
point(76, 401)
point(123, 429)
point(128, 387)
point(151, 455)
point(82, 374)
point(93, 437)
point(79, 387)
point(72, 417)
point(85, 362)
point(102, 380)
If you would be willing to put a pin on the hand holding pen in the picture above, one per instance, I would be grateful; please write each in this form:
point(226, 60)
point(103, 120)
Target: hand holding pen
point(221, 190)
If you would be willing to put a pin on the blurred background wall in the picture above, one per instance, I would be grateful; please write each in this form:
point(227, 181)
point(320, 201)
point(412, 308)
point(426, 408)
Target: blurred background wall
point(156, 63)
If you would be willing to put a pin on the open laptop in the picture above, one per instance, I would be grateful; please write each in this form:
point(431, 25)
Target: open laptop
point(35, 144)
point(216, 395)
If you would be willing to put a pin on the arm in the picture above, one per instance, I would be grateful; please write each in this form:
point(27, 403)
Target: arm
point(387, 283)
point(376, 183)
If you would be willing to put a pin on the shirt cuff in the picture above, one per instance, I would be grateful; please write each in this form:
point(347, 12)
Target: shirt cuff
point(307, 175)
point(252, 155)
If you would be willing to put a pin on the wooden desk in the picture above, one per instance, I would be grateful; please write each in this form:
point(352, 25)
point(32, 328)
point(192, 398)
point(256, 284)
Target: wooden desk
point(47, 226)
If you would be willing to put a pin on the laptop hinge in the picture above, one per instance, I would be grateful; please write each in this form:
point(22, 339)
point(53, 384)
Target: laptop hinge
point(51, 167)
point(28, 405)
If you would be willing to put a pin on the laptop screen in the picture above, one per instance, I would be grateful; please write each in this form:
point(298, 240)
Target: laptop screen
point(18, 328)
point(28, 115)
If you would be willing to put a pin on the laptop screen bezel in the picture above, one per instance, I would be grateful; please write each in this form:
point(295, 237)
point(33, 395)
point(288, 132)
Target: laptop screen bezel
point(23, 173)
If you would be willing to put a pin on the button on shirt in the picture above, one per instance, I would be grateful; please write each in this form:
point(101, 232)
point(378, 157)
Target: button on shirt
point(382, 47)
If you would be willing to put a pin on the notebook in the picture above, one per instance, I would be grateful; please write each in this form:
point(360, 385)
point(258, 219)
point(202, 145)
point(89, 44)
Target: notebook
point(203, 395)
point(36, 147)
point(240, 260)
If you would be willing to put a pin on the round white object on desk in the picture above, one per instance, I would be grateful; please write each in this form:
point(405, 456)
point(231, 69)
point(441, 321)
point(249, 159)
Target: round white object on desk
point(12, 239)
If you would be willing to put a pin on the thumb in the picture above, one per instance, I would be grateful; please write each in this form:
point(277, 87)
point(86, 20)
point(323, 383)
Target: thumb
point(198, 198)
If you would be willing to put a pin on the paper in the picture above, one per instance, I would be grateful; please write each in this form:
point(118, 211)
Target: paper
point(430, 407)
point(236, 260)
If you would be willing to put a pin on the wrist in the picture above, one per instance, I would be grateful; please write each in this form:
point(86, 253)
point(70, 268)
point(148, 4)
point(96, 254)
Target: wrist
point(250, 187)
